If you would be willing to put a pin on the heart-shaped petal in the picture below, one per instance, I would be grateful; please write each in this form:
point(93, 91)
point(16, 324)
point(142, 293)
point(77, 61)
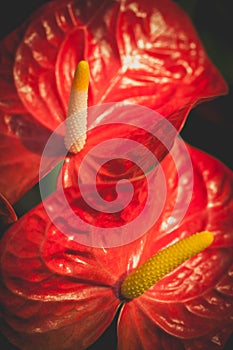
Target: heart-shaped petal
point(193, 302)
point(162, 65)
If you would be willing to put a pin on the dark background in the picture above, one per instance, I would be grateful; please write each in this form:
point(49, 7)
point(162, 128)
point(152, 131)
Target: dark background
point(209, 126)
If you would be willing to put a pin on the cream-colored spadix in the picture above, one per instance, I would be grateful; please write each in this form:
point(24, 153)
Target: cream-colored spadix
point(76, 122)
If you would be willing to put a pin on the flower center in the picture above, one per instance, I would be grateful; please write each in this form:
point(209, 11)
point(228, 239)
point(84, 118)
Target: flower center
point(159, 265)
point(76, 122)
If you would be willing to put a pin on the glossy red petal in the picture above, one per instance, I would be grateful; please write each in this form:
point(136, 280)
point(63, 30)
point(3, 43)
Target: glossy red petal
point(62, 324)
point(193, 302)
point(161, 58)
point(54, 293)
point(54, 290)
point(44, 60)
point(21, 146)
point(161, 65)
point(22, 139)
point(122, 122)
point(213, 341)
point(136, 331)
point(14, 120)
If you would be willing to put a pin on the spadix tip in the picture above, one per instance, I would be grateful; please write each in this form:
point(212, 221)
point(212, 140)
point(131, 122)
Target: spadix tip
point(81, 77)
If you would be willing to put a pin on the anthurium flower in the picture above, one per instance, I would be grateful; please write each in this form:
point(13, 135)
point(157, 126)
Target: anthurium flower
point(143, 52)
point(59, 294)
point(55, 292)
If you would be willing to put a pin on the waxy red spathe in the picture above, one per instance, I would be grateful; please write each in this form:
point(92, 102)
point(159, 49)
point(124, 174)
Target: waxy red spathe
point(56, 293)
point(170, 73)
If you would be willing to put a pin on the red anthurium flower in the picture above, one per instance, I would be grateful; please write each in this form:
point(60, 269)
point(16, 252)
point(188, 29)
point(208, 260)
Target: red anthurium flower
point(56, 293)
point(142, 52)
point(59, 294)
